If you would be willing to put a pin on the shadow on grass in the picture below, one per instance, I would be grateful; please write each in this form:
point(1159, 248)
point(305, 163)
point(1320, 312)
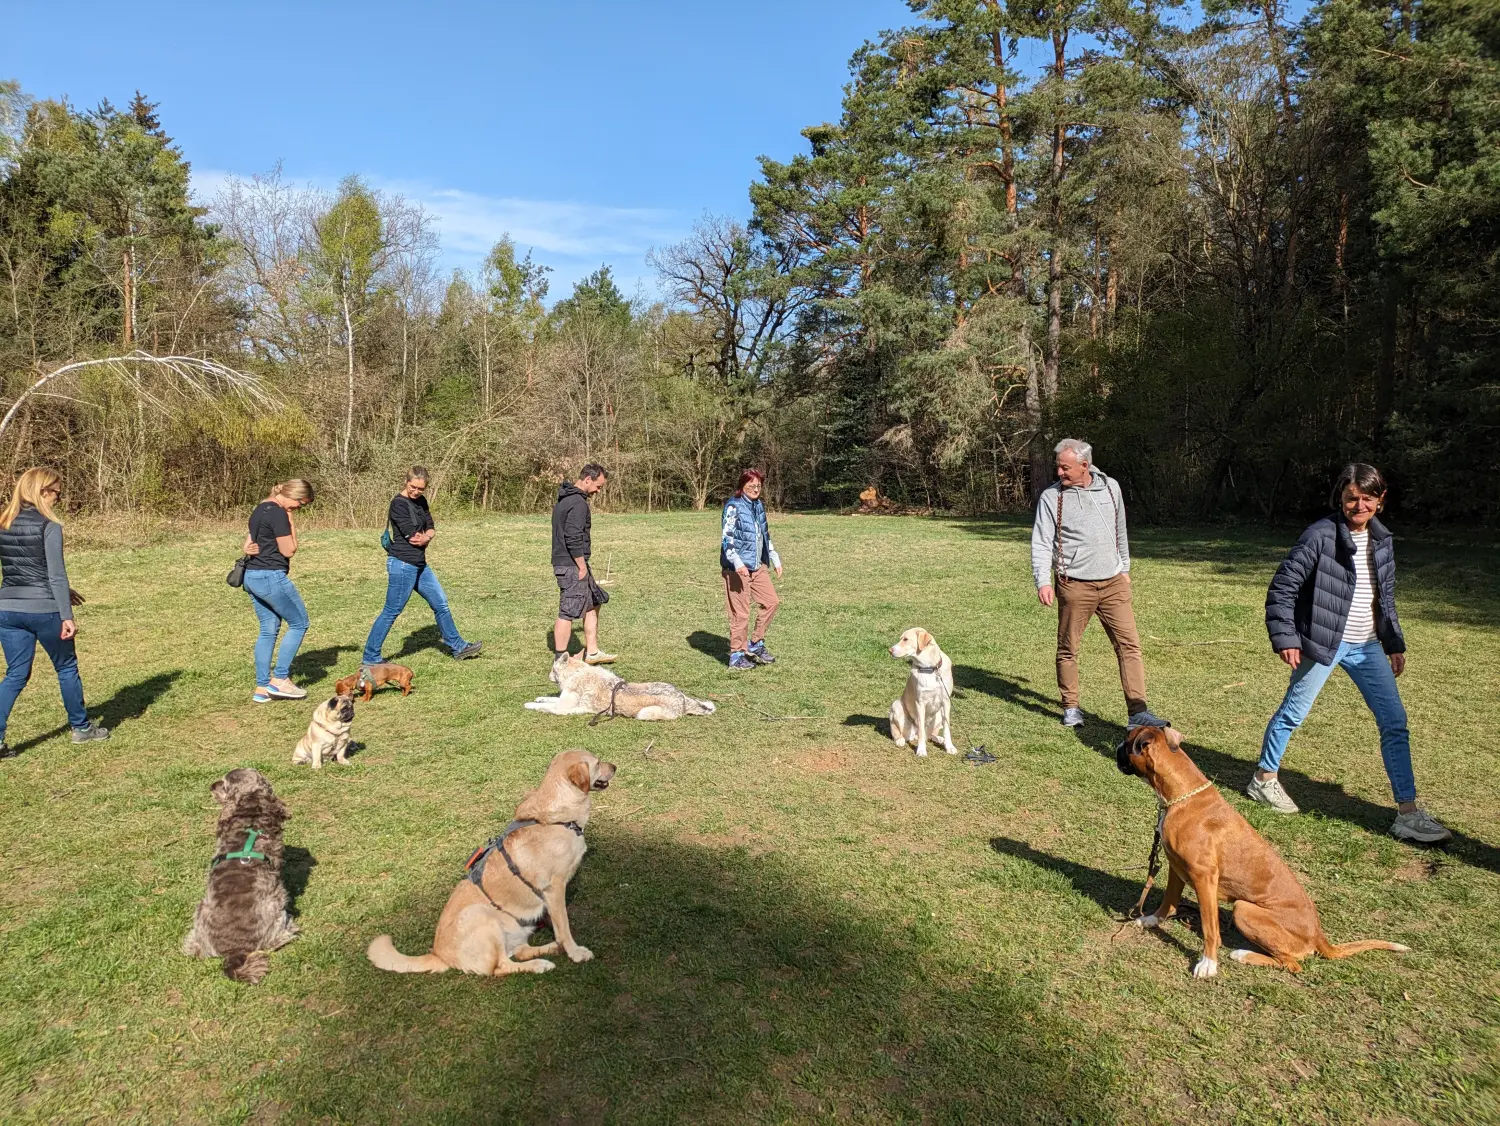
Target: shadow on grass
point(296, 872)
point(424, 637)
point(311, 666)
point(128, 703)
point(1014, 692)
point(1115, 894)
point(713, 645)
point(881, 725)
point(724, 989)
point(1326, 798)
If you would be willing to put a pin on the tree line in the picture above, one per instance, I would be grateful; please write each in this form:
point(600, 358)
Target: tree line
point(1231, 249)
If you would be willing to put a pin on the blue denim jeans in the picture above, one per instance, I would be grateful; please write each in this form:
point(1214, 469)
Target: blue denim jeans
point(19, 634)
point(401, 579)
point(275, 600)
point(1370, 669)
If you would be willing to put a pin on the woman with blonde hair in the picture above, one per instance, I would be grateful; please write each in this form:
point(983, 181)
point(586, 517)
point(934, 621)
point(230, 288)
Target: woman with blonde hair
point(270, 545)
point(36, 603)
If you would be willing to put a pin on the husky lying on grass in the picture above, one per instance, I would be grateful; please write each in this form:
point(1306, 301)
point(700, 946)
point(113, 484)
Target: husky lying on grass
point(592, 690)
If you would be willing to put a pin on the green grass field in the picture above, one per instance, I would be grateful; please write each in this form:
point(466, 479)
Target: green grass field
point(792, 921)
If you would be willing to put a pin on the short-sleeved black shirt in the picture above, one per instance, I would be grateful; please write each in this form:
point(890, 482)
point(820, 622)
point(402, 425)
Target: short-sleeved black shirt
point(407, 518)
point(268, 521)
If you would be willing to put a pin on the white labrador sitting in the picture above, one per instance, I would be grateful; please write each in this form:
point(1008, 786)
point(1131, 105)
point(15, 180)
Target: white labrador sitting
point(923, 710)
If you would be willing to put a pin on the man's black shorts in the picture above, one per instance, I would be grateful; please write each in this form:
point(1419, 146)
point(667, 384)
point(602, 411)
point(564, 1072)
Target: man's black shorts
point(577, 596)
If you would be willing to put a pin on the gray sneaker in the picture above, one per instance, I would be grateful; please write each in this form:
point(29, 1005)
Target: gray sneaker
point(90, 733)
point(1072, 717)
point(1269, 792)
point(1421, 827)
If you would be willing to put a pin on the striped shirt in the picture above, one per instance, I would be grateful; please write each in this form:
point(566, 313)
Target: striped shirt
point(1360, 627)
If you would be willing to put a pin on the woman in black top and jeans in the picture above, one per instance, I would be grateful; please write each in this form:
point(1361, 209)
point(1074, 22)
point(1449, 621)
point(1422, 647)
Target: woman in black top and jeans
point(36, 601)
point(409, 530)
point(270, 545)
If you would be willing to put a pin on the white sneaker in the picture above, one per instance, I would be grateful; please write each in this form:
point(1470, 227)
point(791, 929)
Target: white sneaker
point(1420, 826)
point(1269, 792)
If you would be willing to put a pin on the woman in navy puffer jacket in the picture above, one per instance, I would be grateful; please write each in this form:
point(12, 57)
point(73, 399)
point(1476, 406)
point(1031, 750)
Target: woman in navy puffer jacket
point(1332, 603)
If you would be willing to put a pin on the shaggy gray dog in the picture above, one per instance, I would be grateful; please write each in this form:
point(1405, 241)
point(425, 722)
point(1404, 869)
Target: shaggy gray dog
point(244, 915)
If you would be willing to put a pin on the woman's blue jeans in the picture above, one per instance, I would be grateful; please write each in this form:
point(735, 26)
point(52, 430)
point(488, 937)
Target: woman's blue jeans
point(401, 579)
point(19, 634)
point(1370, 669)
point(275, 600)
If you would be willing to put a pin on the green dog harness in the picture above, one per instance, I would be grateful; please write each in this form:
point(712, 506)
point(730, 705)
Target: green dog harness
point(245, 852)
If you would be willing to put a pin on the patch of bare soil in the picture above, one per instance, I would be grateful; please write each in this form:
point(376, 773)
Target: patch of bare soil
point(821, 760)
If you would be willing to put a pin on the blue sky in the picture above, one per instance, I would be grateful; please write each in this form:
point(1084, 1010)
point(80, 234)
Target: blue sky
point(590, 131)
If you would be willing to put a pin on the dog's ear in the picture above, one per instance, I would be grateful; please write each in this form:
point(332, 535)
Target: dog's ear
point(220, 791)
point(924, 639)
point(1174, 738)
point(580, 776)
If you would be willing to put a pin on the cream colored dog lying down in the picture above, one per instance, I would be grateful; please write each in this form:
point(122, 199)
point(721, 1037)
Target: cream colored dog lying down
point(924, 708)
point(592, 690)
point(513, 882)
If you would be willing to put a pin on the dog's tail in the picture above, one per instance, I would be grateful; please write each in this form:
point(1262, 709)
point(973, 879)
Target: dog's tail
point(699, 707)
point(383, 955)
point(249, 967)
point(1348, 949)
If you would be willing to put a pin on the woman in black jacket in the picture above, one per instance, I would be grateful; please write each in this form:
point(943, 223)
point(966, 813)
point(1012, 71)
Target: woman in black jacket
point(1332, 603)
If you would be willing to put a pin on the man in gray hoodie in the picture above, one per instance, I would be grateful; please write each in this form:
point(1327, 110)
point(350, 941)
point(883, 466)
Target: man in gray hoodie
point(1079, 536)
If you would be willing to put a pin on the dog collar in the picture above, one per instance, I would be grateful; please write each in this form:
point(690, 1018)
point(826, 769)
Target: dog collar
point(926, 668)
point(1183, 797)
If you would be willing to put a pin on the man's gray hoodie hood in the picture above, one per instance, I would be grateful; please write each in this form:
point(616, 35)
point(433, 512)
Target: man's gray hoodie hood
point(1094, 542)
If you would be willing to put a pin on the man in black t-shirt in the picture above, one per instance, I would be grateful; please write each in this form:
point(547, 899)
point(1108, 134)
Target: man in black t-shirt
point(409, 529)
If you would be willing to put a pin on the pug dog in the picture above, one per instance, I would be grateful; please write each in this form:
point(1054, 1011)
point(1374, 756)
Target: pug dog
point(328, 733)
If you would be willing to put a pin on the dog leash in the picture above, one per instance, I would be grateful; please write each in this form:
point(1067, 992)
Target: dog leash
point(1153, 864)
point(609, 712)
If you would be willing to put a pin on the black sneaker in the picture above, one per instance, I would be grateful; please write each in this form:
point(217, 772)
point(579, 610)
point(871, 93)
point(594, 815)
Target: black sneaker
point(90, 733)
point(6, 752)
point(760, 654)
point(471, 649)
point(1146, 719)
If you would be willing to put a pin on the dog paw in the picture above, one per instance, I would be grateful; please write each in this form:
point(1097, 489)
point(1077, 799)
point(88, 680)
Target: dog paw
point(950, 748)
point(538, 966)
point(1146, 922)
point(1241, 955)
point(581, 954)
point(921, 752)
point(1206, 967)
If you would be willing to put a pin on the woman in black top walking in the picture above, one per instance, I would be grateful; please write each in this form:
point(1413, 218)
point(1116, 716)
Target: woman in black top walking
point(409, 529)
point(270, 544)
point(36, 601)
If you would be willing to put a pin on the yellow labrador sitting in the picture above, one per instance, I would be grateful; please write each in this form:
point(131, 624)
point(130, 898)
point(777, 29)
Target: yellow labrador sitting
point(923, 710)
point(513, 881)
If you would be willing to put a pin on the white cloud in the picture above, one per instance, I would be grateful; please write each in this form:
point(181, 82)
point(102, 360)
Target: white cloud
point(471, 223)
point(571, 237)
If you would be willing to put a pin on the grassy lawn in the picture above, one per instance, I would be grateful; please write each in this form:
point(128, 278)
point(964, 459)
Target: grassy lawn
point(792, 920)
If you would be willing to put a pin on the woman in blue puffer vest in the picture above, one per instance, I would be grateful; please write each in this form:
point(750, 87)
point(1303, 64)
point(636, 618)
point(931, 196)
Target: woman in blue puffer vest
point(1332, 602)
point(745, 553)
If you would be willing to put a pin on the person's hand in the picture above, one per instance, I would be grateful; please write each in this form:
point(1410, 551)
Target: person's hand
point(1045, 595)
point(778, 570)
point(69, 628)
point(742, 571)
point(583, 572)
point(1292, 657)
point(74, 598)
point(1398, 663)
